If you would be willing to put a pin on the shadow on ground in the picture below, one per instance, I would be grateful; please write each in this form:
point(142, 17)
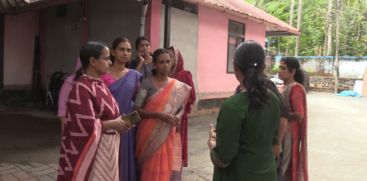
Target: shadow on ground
point(26, 135)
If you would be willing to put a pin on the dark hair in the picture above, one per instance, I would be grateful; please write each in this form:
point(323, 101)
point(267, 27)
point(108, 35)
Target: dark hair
point(293, 64)
point(139, 40)
point(90, 49)
point(249, 58)
point(156, 55)
point(116, 43)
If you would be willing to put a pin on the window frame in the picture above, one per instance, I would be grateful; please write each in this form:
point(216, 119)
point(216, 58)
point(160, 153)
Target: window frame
point(236, 36)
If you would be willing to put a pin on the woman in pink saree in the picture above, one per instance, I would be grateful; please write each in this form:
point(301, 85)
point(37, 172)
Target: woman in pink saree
point(90, 138)
point(161, 102)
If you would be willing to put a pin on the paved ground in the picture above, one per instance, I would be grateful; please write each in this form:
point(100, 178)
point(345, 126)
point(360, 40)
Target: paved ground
point(337, 142)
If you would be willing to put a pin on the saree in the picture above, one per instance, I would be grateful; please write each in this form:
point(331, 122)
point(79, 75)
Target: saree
point(158, 145)
point(87, 152)
point(184, 76)
point(124, 90)
point(294, 158)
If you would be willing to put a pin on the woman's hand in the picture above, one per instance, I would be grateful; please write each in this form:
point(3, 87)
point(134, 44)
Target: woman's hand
point(172, 120)
point(212, 137)
point(122, 125)
point(277, 150)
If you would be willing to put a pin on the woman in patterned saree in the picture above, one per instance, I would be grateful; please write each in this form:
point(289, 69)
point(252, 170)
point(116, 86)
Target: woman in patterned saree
point(160, 102)
point(90, 139)
point(294, 159)
point(178, 72)
point(123, 84)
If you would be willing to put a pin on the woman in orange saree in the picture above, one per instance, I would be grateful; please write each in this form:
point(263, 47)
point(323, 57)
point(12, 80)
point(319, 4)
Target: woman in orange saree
point(160, 102)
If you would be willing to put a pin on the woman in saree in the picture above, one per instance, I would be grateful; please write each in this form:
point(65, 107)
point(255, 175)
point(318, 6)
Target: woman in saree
point(143, 61)
point(294, 158)
point(161, 102)
point(90, 139)
point(123, 84)
point(178, 72)
point(241, 145)
point(65, 90)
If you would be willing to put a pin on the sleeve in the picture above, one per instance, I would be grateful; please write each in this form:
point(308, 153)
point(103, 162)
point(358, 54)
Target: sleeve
point(64, 95)
point(141, 94)
point(298, 100)
point(228, 128)
point(137, 85)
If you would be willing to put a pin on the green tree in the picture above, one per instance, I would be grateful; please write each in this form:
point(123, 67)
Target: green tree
point(318, 24)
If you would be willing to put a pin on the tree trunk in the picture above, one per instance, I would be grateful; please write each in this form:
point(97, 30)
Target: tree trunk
point(336, 63)
point(329, 25)
point(299, 22)
point(290, 23)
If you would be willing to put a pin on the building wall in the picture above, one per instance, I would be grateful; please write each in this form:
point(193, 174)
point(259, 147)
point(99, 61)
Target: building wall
point(20, 32)
point(184, 36)
point(212, 76)
point(62, 40)
point(114, 19)
point(154, 23)
point(106, 21)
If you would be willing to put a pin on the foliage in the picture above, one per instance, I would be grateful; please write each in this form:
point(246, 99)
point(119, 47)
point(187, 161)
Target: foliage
point(353, 30)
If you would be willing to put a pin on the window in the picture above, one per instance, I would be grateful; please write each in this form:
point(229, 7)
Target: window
point(236, 35)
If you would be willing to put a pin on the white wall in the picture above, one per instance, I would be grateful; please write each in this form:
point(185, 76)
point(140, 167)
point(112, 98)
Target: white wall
point(19, 34)
point(184, 32)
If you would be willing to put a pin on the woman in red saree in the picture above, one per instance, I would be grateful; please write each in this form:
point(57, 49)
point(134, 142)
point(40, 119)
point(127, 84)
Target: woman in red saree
point(160, 102)
point(178, 72)
point(294, 159)
point(90, 139)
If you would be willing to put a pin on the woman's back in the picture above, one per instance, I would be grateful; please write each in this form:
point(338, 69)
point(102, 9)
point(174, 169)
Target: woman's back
point(245, 138)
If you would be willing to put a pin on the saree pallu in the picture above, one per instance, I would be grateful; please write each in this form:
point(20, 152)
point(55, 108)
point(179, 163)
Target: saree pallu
point(159, 149)
point(184, 76)
point(294, 158)
point(106, 159)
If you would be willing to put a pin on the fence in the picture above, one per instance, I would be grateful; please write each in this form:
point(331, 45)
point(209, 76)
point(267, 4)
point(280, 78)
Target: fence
point(349, 66)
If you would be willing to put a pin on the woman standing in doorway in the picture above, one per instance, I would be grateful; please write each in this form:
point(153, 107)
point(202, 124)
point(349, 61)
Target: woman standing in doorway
point(90, 139)
point(161, 103)
point(294, 159)
point(123, 84)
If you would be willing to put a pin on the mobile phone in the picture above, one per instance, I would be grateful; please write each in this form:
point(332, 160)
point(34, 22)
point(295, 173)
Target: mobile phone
point(132, 117)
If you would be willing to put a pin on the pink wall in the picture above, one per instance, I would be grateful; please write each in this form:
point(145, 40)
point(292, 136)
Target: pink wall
point(153, 23)
point(20, 32)
point(212, 74)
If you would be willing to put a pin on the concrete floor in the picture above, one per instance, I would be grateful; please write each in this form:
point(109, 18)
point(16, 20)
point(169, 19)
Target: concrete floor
point(337, 141)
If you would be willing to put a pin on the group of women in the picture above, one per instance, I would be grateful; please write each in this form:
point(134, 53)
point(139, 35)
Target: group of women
point(260, 134)
point(98, 142)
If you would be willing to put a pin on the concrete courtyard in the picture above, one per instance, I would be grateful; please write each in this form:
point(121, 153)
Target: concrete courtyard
point(337, 142)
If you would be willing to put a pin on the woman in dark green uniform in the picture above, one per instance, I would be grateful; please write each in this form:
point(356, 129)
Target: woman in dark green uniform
point(247, 124)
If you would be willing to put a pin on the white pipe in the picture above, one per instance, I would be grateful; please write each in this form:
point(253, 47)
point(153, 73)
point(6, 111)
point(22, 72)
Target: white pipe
point(144, 9)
